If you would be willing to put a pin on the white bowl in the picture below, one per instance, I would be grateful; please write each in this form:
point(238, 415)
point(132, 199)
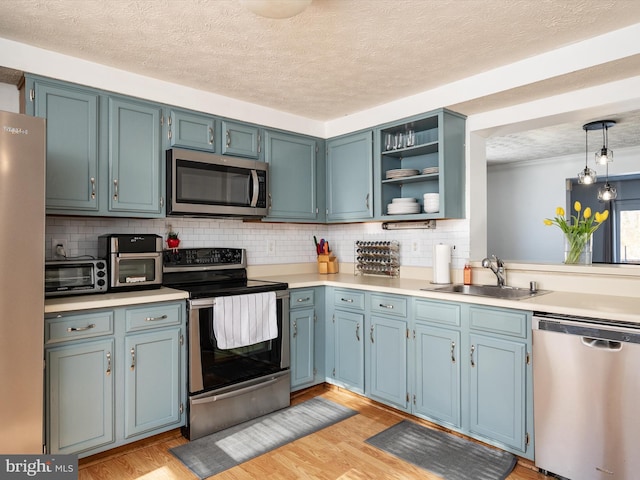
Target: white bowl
point(403, 200)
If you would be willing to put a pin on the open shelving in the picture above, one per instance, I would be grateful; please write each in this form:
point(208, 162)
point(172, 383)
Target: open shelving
point(439, 143)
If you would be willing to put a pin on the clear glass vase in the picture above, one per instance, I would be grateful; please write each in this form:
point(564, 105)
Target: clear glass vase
point(578, 249)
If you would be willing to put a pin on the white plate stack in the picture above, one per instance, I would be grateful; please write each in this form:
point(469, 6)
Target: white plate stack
point(403, 206)
point(431, 202)
point(401, 173)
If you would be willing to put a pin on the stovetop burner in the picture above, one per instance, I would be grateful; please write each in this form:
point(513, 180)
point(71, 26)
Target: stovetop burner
point(212, 272)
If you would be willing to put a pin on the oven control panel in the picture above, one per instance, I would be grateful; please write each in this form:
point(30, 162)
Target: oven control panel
point(188, 257)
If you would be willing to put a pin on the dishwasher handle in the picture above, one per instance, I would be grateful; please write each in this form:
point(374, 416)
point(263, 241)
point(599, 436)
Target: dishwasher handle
point(602, 344)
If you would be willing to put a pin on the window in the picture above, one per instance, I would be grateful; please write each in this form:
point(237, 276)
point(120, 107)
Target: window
point(627, 231)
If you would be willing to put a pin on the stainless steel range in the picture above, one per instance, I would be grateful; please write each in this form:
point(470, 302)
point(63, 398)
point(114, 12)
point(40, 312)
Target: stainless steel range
point(230, 380)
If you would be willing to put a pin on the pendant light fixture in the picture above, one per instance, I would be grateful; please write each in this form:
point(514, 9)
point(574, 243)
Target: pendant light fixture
point(607, 192)
point(588, 175)
point(604, 156)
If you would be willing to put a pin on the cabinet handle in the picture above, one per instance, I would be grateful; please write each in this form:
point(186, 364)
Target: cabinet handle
point(453, 349)
point(348, 300)
point(371, 333)
point(108, 363)
point(155, 319)
point(367, 201)
point(81, 329)
point(115, 189)
point(386, 306)
point(473, 348)
point(228, 139)
point(210, 136)
point(133, 358)
point(92, 180)
point(270, 200)
point(358, 332)
point(295, 329)
point(303, 299)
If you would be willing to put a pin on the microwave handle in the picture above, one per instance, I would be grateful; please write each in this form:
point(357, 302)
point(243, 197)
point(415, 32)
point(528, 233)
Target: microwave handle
point(255, 189)
point(140, 255)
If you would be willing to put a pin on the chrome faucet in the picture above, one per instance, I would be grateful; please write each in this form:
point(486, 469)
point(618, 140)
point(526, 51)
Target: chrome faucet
point(497, 269)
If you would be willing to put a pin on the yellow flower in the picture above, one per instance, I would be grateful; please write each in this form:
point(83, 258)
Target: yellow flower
point(577, 206)
point(548, 222)
point(601, 217)
point(587, 212)
point(560, 212)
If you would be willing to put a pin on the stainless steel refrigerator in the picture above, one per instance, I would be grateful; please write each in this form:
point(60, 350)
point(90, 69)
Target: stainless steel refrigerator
point(22, 219)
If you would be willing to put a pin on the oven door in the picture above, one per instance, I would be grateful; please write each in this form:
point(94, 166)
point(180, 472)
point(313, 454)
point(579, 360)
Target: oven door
point(211, 368)
point(135, 270)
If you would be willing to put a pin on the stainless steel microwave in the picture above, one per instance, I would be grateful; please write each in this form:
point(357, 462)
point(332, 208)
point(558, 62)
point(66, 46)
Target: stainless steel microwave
point(206, 184)
point(69, 277)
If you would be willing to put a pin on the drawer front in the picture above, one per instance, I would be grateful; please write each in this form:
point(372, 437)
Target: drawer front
point(301, 298)
point(349, 299)
point(153, 316)
point(438, 312)
point(64, 328)
point(506, 322)
point(389, 305)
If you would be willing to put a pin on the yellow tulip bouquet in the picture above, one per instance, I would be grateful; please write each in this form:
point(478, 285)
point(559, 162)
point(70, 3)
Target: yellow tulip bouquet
point(579, 231)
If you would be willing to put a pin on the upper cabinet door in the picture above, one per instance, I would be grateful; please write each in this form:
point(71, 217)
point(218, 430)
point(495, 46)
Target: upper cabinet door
point(72, 146)
point(240, 139)
point(190, 130)
point(292, 176)
point(134, 156)
point(350, 177)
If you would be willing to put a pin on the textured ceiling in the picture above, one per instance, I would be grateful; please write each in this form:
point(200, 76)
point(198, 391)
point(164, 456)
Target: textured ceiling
point(336, 58)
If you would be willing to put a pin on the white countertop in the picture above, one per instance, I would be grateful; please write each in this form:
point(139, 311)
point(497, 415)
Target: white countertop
point(607, 307)
point(110, 300)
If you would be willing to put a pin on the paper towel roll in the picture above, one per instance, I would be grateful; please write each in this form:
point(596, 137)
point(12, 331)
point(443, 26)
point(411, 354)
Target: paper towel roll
point(442, 263)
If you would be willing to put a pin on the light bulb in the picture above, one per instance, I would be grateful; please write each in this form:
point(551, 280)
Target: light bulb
point(587, 176)
point(604, 156)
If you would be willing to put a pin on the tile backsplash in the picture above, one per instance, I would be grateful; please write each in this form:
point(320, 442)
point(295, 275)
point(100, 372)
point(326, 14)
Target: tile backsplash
point(266, 243)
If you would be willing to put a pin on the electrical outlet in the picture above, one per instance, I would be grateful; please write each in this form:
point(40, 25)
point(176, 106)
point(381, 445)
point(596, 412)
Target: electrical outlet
point(271, 247)
point(55, 242)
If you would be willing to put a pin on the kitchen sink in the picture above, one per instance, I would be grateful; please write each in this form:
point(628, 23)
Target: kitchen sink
point(493, 291)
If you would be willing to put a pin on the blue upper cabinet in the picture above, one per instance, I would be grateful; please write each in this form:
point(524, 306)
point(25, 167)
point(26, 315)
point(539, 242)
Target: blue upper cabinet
point(293, 179)
point(349, 177)
point(240, 139)
point(104, 152)
point(192, 130)
point(418, 155)
point(72, 143)
point(135, 157)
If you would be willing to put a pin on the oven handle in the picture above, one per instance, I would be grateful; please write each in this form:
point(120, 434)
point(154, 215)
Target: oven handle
point(235, 393)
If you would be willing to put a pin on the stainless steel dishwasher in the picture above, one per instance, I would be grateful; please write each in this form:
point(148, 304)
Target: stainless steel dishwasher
point(586, 375)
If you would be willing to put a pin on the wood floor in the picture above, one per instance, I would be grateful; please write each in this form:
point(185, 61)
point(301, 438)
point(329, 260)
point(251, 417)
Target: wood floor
point(336, 452)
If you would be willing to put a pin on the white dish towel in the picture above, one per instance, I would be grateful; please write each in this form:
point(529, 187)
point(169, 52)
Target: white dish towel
point(241, 320)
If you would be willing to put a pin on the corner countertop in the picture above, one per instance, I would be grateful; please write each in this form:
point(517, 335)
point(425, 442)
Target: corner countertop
point(607, 307)
point(110, 300)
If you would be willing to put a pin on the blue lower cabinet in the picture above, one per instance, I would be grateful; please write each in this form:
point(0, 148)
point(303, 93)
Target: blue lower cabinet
point(113, 376)
point(152, 383)
point(80, 396)
point(497, 390)
point(437, 374)
point(301, 331)
point(348, 368)
point(387, 361)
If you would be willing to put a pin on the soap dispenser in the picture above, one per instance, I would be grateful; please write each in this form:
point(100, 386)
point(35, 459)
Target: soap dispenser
point(467, 273)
